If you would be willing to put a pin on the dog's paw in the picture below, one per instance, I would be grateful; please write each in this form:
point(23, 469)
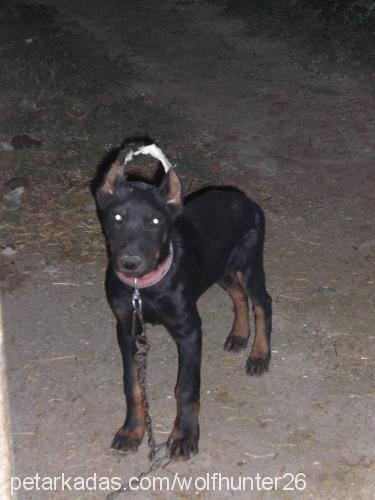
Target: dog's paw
point(235, 342)
point(128, 440)
point(257, 365)
point(182, 446)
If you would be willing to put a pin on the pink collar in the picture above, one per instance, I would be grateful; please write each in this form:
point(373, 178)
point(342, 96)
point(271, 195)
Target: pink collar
point(151, 278)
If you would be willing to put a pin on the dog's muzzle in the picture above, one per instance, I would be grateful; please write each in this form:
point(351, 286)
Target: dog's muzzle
point(150, 278)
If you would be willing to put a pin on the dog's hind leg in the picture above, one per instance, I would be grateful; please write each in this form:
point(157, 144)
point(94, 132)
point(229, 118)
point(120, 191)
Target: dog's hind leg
point(252, 278)
point(239, 336)
point(247, 265)
point(260, 354)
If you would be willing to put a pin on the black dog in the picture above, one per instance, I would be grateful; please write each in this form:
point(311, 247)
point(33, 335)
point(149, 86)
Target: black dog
point(176, 250)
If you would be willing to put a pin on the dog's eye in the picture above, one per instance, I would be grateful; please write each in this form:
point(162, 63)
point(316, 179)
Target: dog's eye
point(152, 222)
point(118, 217)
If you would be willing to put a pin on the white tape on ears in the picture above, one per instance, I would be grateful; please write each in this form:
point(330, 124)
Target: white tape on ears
point(151, 150)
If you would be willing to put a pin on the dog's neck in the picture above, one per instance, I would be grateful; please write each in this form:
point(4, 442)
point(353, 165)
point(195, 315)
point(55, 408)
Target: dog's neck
point(151, 278)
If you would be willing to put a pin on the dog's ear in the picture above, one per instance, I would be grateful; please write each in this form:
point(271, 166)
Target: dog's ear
point(171, 189)
point(112, 177)
point(108, 184)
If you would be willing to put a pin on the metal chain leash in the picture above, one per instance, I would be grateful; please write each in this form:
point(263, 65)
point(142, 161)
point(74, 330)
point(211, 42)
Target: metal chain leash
point(140, 357)
point(156, 465)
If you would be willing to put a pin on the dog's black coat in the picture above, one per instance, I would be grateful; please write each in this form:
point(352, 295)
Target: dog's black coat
point(217, 237)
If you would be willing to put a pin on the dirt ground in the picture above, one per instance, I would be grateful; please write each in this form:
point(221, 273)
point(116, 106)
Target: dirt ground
point(228, 105)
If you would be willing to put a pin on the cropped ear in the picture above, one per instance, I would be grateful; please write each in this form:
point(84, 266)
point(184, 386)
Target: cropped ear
point(171, 188)
point(107, 184)
point(111, 178)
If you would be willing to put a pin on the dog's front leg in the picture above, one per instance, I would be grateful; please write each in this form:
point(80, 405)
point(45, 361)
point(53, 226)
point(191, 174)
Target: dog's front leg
point(185, 435)
point(130, 435)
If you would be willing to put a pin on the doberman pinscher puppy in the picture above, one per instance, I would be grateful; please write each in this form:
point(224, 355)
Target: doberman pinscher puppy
point(177, 249)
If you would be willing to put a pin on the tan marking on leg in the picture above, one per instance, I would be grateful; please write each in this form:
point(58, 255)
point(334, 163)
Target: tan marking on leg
point(132, 436)
point(176, 433)
point(129, 437)
point(238, 276)
point(241, 312)
point(260, 345)
point(138, 403)
point(233, 285)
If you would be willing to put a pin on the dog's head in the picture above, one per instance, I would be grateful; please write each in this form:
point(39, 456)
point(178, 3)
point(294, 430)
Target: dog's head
point(137, 218)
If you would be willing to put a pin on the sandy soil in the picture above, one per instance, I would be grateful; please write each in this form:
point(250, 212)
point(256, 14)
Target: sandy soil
point(300, 142)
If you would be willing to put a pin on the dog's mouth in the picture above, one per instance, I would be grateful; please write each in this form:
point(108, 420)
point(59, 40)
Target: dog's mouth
point(146, 275)
point(134, 266)
point(137, 273)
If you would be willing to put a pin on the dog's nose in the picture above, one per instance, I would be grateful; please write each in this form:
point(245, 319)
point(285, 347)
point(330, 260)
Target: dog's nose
point(131, 262)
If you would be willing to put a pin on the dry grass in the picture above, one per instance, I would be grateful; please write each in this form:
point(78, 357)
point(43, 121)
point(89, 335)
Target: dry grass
point(55, 215)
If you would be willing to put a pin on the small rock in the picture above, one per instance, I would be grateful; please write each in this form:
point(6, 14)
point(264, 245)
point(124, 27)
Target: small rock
point(24, 141)
point(6, 147)
point(15, 196)
point(8, 251)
